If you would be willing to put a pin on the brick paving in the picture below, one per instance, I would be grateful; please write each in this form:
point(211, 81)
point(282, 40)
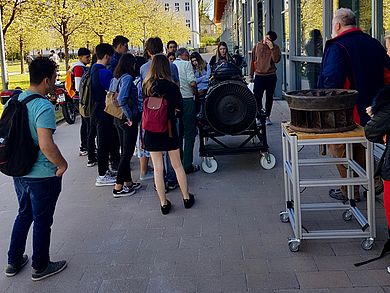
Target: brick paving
point(230, 241)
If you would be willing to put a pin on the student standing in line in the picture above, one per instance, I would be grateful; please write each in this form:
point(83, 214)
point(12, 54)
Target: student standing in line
point(158, 83)
point(155, 46)
point(100, 83)
point(127, 127)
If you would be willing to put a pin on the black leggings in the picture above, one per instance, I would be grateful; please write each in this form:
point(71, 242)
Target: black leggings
point(104, 127)
point(265, 83)
point(128, 138)
point(84, 130)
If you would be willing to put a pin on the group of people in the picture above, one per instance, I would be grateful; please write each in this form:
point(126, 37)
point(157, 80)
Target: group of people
point(136, 82)
point(176, 82)
point(133, 80)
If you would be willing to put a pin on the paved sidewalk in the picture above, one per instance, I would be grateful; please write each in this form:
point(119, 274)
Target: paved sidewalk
point(231, 241)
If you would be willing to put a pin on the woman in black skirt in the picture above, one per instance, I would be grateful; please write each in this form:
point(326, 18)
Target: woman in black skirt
point(158, 84)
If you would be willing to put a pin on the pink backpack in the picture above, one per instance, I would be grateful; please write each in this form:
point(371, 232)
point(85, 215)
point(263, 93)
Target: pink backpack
point(155, 115)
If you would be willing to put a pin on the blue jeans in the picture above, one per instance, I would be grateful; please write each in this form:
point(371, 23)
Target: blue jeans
point(37, 199)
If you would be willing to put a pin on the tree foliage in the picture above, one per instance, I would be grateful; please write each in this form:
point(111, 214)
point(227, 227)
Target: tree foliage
point(386, 15)
point(66, 24)
point(10, 10)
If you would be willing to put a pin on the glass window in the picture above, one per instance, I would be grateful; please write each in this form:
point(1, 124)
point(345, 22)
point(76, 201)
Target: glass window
point(285, 46)
point(386, 15)
point(260, 21)
point(307, 75)
point(177, 6)
point(285, 27)
point(386, 23)
point(363, 11)
point(188, 23)
point(187, 6)
point(309, 35)
point(166, 6)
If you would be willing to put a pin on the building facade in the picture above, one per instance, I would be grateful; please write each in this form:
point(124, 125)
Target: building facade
point(303, 26)
point(189, 10)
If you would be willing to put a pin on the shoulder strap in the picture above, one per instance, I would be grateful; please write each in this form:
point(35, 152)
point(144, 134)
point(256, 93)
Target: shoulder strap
point(30, 98)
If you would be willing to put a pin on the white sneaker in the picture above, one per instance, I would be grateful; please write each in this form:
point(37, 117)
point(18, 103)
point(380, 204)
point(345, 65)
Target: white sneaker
point(105, 180)
point(148, 175)
point(388, 269)
point(258, 122)
point(268, 121)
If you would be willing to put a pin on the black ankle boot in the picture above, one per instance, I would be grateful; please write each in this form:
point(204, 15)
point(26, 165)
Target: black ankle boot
point(188, 203)
point(166, 208)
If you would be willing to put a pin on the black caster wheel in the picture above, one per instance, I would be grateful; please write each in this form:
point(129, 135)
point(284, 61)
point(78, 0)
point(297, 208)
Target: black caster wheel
point(347, 215)
point(367, 244)
point(294, 245)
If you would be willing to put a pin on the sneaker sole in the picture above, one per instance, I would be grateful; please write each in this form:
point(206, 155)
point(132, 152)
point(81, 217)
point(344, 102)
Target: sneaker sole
point(104, 184)
point(123, 194)
point(21, 267)
point(51, 274)
point(91, 165)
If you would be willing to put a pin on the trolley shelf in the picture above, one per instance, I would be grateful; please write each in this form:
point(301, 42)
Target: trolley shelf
point(294, 181)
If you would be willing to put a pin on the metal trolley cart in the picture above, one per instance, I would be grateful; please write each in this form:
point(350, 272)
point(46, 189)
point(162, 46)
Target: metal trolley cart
point(294, 181)
point(248, 143)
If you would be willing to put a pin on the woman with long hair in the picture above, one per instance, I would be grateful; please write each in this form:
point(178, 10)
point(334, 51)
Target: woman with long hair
point(158, 83)
point(202, 73)
point(127, 127)
point(221, 56)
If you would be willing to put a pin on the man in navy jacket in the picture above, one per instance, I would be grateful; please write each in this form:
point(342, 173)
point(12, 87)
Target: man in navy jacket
point(352, 60)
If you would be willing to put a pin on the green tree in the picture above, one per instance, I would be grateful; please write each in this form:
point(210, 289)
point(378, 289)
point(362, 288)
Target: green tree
point(22, 38)
point(148, 18)
point(66, 17)
point(9, 10)
point(104, 17)
point(386, 15)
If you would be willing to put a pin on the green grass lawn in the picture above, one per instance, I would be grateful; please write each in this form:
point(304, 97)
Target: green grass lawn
point(15, 79)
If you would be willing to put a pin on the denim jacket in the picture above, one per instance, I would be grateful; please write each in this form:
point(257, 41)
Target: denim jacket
point(126, 92)
point(202, 78)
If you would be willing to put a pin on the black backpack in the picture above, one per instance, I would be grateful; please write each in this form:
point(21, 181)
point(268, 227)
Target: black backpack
point(18, 152)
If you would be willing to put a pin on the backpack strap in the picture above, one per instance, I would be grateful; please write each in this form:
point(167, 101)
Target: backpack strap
point(30, 98)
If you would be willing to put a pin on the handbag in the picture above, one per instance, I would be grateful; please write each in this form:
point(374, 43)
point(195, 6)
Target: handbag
point(112, 106)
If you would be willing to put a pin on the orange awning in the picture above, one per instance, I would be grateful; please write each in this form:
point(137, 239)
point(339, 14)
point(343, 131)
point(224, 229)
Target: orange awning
point(219, 7)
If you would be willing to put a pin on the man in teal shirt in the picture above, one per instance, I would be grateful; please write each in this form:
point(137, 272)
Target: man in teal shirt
point(38, 191)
